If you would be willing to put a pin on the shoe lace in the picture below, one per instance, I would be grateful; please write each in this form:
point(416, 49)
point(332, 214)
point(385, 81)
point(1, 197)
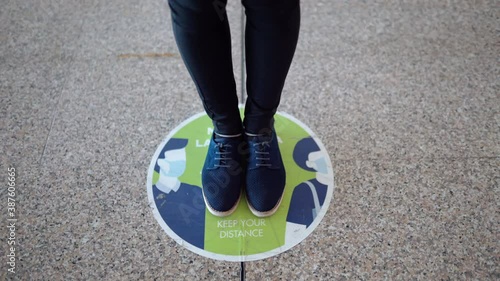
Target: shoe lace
point(262, 154)
point(222, 155)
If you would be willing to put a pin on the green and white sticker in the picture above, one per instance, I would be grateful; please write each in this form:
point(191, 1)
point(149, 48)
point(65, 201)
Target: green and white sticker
point(174, 192)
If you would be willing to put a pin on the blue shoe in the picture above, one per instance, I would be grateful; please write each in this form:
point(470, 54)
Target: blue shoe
point(266, 176)
point(222, 175)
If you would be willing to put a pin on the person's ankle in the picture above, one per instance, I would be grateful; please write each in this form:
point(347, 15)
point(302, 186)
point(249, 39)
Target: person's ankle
point(220, 135)
point(262, 135)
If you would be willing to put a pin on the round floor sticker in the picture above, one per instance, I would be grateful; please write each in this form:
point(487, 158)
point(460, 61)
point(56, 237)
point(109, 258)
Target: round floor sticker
point(175, 195)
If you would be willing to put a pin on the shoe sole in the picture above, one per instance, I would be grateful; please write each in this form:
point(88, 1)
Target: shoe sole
point(266, 213)
point(219, 213)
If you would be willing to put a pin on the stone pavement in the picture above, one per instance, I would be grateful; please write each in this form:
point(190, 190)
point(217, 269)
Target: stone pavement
point(404, 95)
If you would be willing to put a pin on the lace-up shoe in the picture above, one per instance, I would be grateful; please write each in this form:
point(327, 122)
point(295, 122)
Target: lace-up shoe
point(222, 175)
point(265, 175)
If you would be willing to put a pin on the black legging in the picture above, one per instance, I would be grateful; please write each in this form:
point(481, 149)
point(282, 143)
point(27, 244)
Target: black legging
point(203, 37)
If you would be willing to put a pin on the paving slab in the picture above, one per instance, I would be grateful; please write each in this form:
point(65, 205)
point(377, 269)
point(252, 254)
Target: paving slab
point(400, 220)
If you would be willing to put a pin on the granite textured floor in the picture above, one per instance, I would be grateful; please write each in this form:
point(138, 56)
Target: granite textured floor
point(405, 95)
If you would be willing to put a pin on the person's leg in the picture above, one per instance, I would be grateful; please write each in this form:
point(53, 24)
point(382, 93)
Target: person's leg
point(202, 34)
point(272, 31)
point(271, 37)
point(203, 37)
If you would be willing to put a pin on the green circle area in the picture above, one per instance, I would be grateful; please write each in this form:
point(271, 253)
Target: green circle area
point(241, 236)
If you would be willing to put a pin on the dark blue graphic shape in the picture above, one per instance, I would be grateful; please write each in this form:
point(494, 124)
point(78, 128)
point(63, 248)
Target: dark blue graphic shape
point(309, 196)
point(182, 210)
point(302, 150)
point(303, 209)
